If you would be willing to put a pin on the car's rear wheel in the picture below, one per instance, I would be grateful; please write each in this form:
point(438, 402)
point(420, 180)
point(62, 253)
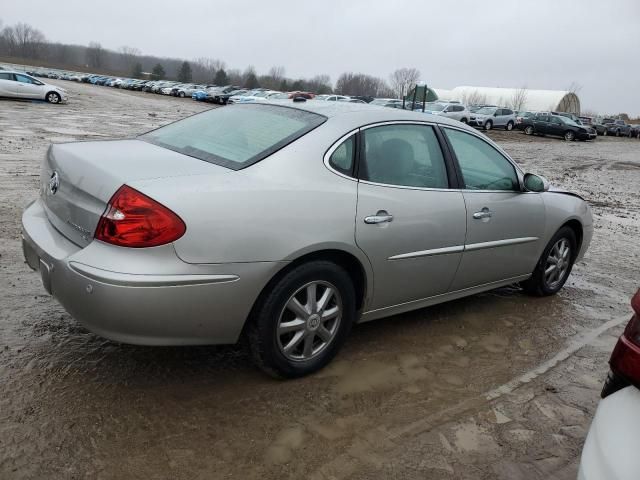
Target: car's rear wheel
point(488, 125)
point(300, 323)
point(617, 133)
point(53, 97)
point(509, 126)
point(555, 264)
point(569, 136)
point(528, 130)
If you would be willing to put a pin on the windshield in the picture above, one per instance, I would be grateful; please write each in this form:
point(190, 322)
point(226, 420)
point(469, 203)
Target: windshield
point(486, 111)
point(321, 97)
point(435, 107)
point(235, 137)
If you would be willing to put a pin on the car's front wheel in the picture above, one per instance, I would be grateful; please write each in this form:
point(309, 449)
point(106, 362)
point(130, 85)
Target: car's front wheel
point(488, 125)
point(53, 97)
point(181, 94)
point(528, 130)
point(300, 323)
point(555, 264)
point(569, 136)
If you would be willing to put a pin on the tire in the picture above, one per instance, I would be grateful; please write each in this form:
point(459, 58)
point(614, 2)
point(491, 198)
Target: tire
point(488, 125)
point(604, 132)
point(541, 285)
point(528, 130)
point(181, 94)
point(53, 97)
point(464, 120)
point(509, 126)
point(569, 136)
point(617, 133)
point(285, 353)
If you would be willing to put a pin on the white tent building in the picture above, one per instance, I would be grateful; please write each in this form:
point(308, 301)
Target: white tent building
point(516, 98)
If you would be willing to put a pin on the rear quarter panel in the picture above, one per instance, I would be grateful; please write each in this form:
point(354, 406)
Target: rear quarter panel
point(285, 206)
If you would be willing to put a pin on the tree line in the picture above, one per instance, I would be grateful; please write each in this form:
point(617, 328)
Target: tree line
point(28, 44)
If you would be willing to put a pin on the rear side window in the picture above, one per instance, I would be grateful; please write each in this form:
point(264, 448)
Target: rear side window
point(235, 136)
point(406, 155)
point(6, 76)
point(342, 157)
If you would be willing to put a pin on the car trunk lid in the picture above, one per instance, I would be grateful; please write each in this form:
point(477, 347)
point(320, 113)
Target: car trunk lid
point(77, 180)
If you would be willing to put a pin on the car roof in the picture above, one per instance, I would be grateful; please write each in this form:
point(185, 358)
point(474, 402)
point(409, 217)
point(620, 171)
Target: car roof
point(364, 113)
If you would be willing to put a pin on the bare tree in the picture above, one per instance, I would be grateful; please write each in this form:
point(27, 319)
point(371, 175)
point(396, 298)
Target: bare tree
point(574, 87)
point(474, 98)
point(519, 99)
point(95, 55)
point(205, 69)
point(22, 40)
point(129, 56)
point(402, 79)
point(350, 83)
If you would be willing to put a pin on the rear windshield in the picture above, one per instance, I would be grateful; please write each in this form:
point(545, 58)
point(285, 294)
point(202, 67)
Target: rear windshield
point(235, 136)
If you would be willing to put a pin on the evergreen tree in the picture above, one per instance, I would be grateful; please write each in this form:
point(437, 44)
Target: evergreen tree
point(184, 74)
point(221, 78)
point(251, 81)
point(158, 72)
point(137, 71)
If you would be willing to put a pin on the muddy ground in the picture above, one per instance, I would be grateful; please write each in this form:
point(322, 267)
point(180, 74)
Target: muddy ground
point(496, 386)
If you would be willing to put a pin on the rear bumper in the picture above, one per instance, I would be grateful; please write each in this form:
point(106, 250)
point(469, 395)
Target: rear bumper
point(610, 451)
point(142, 296)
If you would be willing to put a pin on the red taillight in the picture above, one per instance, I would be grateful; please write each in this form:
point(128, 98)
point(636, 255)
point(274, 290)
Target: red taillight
point(134, 220)
point(625, 359)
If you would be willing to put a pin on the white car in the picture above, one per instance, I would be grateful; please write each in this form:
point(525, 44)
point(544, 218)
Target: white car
point(611, 449)
point(331, 98)
point(21, 85)
point(454, 110)
point(253, 96)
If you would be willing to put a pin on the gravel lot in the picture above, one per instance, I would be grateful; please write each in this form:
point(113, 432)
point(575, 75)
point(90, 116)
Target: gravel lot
point(496, 386)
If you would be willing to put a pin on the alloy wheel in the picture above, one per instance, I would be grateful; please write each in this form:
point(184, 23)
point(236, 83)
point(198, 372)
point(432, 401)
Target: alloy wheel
point(309, 321)
point(557, 264)
point(568, 136)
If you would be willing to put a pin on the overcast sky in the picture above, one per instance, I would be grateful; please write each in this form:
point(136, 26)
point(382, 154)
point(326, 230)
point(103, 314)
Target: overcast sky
point(546, 44)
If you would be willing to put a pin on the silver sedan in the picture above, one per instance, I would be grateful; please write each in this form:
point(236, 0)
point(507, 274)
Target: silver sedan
point(287, 222)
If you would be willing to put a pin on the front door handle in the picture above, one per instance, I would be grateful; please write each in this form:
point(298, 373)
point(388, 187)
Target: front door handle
point(381, 217)
point(484, 213)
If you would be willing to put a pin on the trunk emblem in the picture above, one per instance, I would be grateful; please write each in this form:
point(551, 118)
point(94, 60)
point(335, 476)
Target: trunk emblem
point(54, 183)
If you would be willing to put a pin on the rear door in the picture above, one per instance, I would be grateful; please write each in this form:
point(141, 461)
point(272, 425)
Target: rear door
point(7, 85)
point(555, 126)
point(504, 224)
point(409, 223)
point(540, 123)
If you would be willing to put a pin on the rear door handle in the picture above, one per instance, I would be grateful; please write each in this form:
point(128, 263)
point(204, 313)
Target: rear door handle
point(484, 213)
point(381, 217)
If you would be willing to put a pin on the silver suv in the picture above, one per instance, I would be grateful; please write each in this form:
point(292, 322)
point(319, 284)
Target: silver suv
point(490, 117)
point(454, 110)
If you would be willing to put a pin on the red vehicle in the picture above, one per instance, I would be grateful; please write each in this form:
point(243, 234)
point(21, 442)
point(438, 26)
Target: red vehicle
point(625, 359)
point(610, 450)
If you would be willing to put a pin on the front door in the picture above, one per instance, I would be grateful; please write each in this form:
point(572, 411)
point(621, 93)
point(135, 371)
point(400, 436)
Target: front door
point(408, 222)
point(504, 224)
point(27, 87)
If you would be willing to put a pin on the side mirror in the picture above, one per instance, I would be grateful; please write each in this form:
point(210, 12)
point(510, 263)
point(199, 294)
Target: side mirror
point(535, 183)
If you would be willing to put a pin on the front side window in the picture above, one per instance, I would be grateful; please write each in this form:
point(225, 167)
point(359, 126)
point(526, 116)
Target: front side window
point(482, 166)
point(235, 137)
point(407, 155)
point(24, 79)
point(342, 157)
